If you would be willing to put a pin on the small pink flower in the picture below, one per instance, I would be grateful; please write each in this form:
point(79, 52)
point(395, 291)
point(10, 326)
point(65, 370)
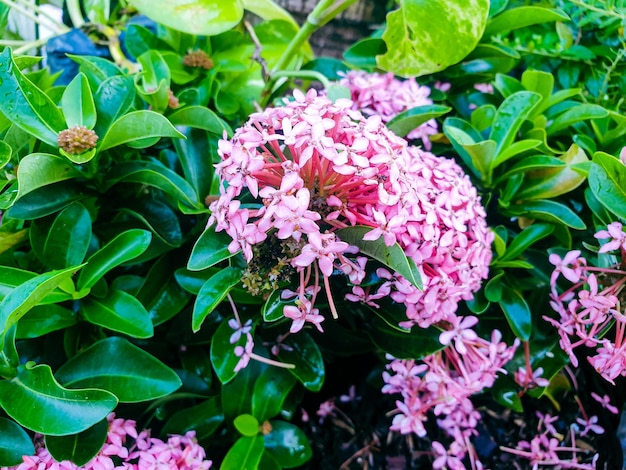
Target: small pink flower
point(605, 401)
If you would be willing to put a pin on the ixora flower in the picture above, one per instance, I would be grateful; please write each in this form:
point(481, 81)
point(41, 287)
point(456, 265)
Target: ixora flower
point(294, 175)
point(385, 96)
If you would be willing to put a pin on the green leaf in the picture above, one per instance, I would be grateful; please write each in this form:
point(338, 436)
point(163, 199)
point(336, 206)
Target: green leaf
point(137, 126)
point(200, 117)
point(413, 344)
point(10, 278)
point(192, 153)
point(212, 293)
point(223, 355)
point(269, 393)
point(516, 311)
point(244, 454)
point(139, 40)
point(550, 211)
point(572, 115)
point(78, 104)
point(27, 106)
point(247, 425)
point(210, 249)
point(119, 311)
point(138, 377)
point(6, 152)
point(416, 46)
point(41, 169)
point(28, 294)
point(405, 122)
point(200, 17)
point(525, 239)
point(96, 69)
point(9, 240)
point(43, 319)
point(68, 240)
point(510, 117)
point(268, 10)
point(515, 149)
point(114, 97)
point(36, 401)
point(363, 53)
point(288, 444)
point(391, 256)
point(274, 306)
point(547, 183)
point(521, 17)
point(204, 419)
point(507, 85)
point(535, 162)
point(607, 181)
point(302, 351)
point(124, 247)
point(153, 82)
point(79, 448)
point(14, 443)
point(154, 173)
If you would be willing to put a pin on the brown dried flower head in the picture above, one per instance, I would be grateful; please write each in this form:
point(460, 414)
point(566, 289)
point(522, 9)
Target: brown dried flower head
point(198, 58)
point(77, 140)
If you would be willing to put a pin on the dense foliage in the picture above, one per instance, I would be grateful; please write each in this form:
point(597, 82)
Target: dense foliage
point(273, 260)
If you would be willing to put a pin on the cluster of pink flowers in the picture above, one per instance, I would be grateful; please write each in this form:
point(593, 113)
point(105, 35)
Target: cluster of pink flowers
point(590, 307)
point(127, 449)
point(314, 166)
point(385, 96)
point(442, 384)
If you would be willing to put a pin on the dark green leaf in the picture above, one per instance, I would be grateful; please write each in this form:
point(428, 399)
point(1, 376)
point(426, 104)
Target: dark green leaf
point(209, 249)
point(204, 419)
point(96, 69)
point(413, 344)
point(405, 122)
point(212, 293)
point(113, 98)
point(550, 211)
point(607, 180)
point(516, 311)
point(269, 393)
point(36, 401)
point(119, 311)
point(288, 444)
point(363, 53)
point(14, 443)
point(244, 454)
point(273, 307)
point(69, 237)
point(391, 256)
point(575, 114)
point(223, 355)
point(510, 116)
point(79, 448)
point(525, 239)
point(138, 377)
point(45, 200)
point(42, 169)
point(192, 152)
point(302, 351)
point(124, 247)
point(136, 126)
point(43, 319)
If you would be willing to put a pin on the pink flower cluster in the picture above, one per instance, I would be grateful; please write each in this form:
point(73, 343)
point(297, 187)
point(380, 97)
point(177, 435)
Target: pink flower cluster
point(293, 175)
point(385, 96)
point(126, 449)
point(441, 385)
point(589, 308)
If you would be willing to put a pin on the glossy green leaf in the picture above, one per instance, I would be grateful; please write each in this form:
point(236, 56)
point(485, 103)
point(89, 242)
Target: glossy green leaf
point(14, 443)
point(210, 248)
point(155, 174)
point(235, 395)
point(204, 419)
point(139, 40)
point(119, 311)
point(78, 105)
point(273, 307)
point(525, 239)
point(10, 278)
point(505, 392)
point(413, 344)
point(46, 200)
point(43, 319)
point(41, 169)
point(68, 240)
point(6, 152)
point(245, 453)
point(416, 48)
point(200, 17)
point(192, 153)
point(391, 256)
point(493, 288)
point(510, 117)
point(302, 351)
point(79, 448)
point(535, 162)
point(405, 122)
point(547, 183)
point(268, 10)
point(550, 211)
point(136, 126)
point(200, 117)
point(212, 293)
point(461, 133)
point(113, 98)
point(247, 425)
point(482, 155)
point(36, 401)
point(10, 240)
point(269, 393)
point(138, 377)
point(124, 247)
point(521, 17)
point(27, 106)
point(362, 54)
point(28, 294)
point(607, 181)
point(288, 444)
point(153, 82)
point(96, 69)
point(515, 149)
point(507, 85)
point(572, 115)
point(516, 311)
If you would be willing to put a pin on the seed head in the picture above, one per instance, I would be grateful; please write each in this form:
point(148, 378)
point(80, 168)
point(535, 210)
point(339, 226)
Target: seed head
point(198, 58)
point(77, 140)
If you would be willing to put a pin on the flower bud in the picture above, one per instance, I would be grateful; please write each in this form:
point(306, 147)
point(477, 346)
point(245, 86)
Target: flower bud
point(199, 59)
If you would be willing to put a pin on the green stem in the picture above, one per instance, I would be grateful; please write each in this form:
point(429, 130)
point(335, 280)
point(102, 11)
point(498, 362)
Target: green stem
point(32, 13)
point(29, 45)
point(41, 12)
point(76, 14)
point(323, 12)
